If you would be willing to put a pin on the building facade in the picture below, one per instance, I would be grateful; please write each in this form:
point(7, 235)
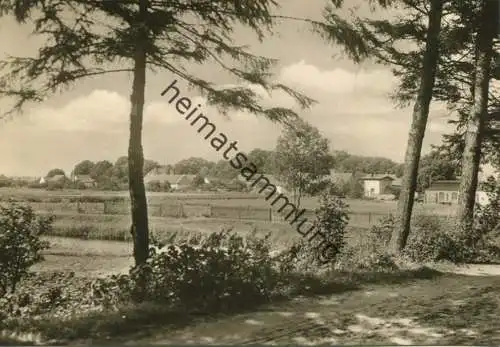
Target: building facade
point(376, 185)
point(446, 192)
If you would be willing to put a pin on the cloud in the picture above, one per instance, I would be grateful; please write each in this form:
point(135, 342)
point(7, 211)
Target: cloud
point(359, 119)
point(338, 81)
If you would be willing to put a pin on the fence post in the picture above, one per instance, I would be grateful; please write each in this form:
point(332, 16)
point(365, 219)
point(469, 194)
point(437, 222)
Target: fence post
point(78, 206)
point(161, 210)
point(209, 210)
point(369, 218)
point(105, 207)
point(181, 210)
point(270, 214)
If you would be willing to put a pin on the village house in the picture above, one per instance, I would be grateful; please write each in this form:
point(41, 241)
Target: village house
point(85, 180)
point(162, 175)
point(446, 192)
point(54, 179)
point(377, 185)
point(340, 178)
point(261, 182)
point(29, 179)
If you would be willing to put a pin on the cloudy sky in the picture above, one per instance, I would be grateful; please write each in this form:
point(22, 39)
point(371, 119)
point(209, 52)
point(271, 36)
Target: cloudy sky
point(90, 121)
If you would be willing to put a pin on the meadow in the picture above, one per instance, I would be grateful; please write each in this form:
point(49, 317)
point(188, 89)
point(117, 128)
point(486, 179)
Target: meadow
point(101, 215)
point(90, 240)
point(91, 230)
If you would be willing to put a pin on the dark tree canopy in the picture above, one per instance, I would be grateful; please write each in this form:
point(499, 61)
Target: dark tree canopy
point(55, 172)
point(83, 168)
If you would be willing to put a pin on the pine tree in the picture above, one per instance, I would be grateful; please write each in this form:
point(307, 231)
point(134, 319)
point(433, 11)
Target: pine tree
point(86, 38)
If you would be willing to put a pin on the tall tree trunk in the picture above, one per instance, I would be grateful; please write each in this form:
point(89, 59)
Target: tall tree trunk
point(139, 207)
point(417, 130)
point(477, 116)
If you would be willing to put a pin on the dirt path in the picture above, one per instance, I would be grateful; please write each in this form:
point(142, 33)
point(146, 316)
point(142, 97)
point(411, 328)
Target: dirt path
point(451, 309)
point(448, 310)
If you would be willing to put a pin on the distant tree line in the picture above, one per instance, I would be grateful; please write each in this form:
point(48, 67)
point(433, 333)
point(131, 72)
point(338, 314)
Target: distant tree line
point(436, 165)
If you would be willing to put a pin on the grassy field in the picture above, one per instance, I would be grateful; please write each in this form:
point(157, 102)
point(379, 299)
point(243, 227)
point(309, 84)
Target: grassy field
point(116, 228)
point(227, 205)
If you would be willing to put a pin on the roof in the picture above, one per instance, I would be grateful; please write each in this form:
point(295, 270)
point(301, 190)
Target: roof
point(24, 178)
point(337, 177)
point(172, 179)
point(162, 170)
point(378, 177)
point(84, 178)
point(55, 178)
point(444, 185)
point(271, 178)
point(397, 182)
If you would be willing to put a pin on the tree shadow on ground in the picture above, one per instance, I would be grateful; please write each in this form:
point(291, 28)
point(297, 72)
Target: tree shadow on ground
point(336, 282)
point(5, 341)
point(139, 321)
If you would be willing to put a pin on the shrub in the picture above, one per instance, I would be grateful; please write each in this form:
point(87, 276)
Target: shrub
point(370, 255)
point(55, 185)
point(360, 258)
point(432, 239)
point(486, 233)
point(20, 243)
point(381, 233)
point(157, 186)
point(332, 218)
point(221, 273)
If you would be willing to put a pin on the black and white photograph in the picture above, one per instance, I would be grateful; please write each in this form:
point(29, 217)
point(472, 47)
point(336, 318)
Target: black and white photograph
point(249, 172)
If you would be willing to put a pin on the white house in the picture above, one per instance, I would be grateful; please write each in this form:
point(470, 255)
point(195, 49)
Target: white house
point(376, 185)
point(446, 192)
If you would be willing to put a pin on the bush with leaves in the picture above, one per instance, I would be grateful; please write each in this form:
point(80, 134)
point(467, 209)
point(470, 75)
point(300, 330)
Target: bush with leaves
point(222, 272)
point(157, 186)
point(332, 218)
point(58, 294)
point(370, 252)
point(488, 216)
point(485, 237)
point(361, 257)
point(20, 243)
point(381, 233)
point(432, 239)
point(330, 223)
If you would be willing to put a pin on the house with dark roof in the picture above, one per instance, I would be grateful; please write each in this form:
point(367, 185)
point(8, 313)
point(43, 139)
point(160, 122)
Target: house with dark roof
point(340, 177)
point(163, 175)
point(85, 180)
point(259, 182)
point(56, 178)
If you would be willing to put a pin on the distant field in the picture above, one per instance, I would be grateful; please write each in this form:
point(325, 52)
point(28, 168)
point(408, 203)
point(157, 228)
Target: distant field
point(82, 205)
point(116, 227)
point(217, 199)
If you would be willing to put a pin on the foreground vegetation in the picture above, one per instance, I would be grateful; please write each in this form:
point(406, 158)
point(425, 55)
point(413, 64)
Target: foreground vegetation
point(198, 275)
